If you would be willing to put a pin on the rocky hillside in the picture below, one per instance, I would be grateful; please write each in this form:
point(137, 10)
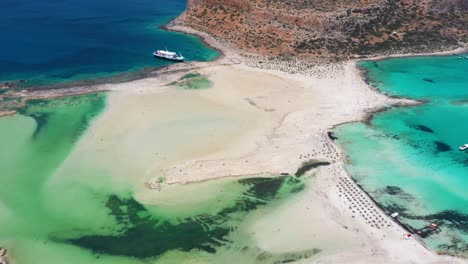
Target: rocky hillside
point(324, 28)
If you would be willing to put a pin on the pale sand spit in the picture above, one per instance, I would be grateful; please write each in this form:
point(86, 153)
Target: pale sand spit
point(250, 122)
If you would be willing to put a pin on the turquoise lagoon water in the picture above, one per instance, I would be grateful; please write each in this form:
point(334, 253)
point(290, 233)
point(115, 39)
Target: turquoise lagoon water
point(407, 158)
point(50, 42)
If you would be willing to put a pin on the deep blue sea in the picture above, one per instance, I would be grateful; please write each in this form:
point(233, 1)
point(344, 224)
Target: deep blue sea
point(49, 42)
point(407, 158)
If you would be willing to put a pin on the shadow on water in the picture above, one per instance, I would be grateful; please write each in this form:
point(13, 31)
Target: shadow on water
point(442, 147)
point(424, 128)
point(428, 80)
point(143, 235)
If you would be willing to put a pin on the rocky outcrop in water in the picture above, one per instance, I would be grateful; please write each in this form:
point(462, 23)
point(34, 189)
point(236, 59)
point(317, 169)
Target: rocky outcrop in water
point(322, 28)
point(3, 256)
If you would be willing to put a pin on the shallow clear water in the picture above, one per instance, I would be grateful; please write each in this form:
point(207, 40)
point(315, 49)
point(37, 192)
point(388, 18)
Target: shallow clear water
point(49, 42)
point(407, 158)
point(46, 216)
point(437, 77)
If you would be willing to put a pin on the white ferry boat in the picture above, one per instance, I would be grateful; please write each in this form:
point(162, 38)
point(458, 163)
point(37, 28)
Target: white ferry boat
point(168, 55)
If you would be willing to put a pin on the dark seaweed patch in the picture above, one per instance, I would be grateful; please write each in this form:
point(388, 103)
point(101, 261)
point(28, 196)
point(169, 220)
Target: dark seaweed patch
point(287, 261)
point(286, 257)
point(193, 81)
point(456, 246)
point(427, 231)
point(41, 121)
point(449, 218)
point(453, 219)
point(145, 236)
point(463, 161)
point(442, 147)
point(40, 111)
point(376, 65)
point(296, 256)
point(424, 128)
point(263, 188)
point(297, 188)
point(392, 208)
point(41, 118)
point(332, 136)
point(307, 166)
point(191, 75)
point(460, 102)
point(387, 135)
point(295, 184)
point(393, 190)
point(397, 191)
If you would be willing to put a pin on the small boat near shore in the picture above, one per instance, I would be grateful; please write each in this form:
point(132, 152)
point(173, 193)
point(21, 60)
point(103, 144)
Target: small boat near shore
point(463, 147)
point(168, 55)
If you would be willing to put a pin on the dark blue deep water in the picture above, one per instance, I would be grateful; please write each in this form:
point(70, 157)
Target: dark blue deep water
point(50, 41)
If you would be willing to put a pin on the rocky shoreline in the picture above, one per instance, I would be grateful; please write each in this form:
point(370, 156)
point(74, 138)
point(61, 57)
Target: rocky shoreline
point(311, 100)
point(3, 256)
point(12, 98)
point(339, 29)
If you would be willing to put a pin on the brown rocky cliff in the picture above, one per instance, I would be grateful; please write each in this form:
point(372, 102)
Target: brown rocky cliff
point(331, 28)
point(235, 4)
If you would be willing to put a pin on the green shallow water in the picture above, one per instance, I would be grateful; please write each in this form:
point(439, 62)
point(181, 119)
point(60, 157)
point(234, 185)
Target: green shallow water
point(33, 146)
point(408, 158)
point(47, 217)
point(193, 81)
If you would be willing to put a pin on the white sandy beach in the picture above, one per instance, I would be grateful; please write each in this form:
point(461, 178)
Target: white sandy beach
point(250, 122)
